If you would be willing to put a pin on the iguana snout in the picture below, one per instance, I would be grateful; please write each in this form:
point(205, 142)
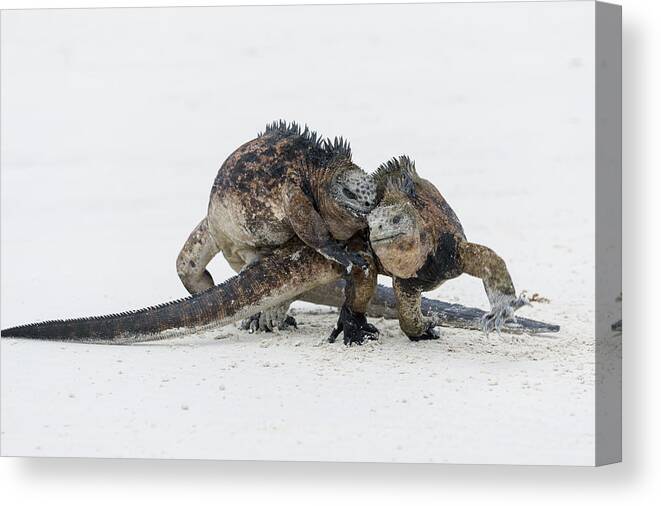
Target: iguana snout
point(389, 222)
point(395, 238)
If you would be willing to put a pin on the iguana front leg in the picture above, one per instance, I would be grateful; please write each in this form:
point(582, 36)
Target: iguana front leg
point(481, 262)
point(310, 227)
point(358, 291)
point(411, 320)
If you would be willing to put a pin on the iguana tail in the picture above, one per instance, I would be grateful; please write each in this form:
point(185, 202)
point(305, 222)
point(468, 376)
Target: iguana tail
point(277, 278)
point(384, 305)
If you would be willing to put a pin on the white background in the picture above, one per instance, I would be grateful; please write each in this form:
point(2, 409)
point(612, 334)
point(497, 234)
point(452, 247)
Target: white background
point(179, 481)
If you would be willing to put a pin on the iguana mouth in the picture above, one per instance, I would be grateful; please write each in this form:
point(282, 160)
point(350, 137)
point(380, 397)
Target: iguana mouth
point(356, 211)
point(386, 238)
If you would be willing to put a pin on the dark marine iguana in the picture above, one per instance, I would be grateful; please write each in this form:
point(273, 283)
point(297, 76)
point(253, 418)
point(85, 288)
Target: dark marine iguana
point(288, 182)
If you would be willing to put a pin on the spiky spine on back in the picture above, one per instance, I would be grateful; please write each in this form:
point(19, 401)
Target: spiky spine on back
point(337, 148)
point(396, 176)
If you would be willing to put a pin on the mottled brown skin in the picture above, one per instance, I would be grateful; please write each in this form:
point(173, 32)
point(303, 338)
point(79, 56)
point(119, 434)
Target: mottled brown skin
point(287, 272)
point(419, 241)
point(286, 183)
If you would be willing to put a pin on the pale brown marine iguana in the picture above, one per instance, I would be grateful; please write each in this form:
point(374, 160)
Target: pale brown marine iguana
point(418, 241)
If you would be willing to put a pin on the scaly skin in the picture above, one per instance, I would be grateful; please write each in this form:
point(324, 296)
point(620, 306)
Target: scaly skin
point(283, 275)
point(419, 241)
point(285, 183)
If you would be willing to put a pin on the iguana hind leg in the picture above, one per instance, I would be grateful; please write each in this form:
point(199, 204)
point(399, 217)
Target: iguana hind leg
point(275, 317)
point(199, 249)
point(196, 254)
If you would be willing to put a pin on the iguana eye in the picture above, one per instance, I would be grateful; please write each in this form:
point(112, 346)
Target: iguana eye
point(349, 194)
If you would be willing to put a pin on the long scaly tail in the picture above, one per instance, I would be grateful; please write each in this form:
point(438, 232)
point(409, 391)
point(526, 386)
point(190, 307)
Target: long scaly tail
point(277, 278)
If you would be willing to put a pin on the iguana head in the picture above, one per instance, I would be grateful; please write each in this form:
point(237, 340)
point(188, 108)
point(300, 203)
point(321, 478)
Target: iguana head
point(353, 190)
point(395, 225)
point(395, 236)
point(345, 195)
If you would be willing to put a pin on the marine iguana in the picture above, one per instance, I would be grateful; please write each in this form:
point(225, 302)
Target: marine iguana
point(287, 182)
point(419, 241)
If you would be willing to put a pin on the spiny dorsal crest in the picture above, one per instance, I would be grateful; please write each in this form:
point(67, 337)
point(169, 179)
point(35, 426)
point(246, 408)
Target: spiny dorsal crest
point(282, 127)
point(396, 176)
point(336, 148)
point(293, 129)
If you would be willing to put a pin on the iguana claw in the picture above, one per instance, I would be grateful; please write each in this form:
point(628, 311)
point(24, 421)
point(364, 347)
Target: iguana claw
point(268, 320)
point(502, 312)
point(431, 333)
point(355, 327)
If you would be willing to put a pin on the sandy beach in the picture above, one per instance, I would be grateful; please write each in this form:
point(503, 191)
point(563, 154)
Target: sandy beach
point(106, 170)
point(291, 396)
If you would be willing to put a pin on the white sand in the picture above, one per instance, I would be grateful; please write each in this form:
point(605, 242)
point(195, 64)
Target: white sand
point(108, 156)
point(286, 396)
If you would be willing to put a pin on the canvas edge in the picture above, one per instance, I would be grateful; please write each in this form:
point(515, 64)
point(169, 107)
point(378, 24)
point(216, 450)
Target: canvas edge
point(608, 233)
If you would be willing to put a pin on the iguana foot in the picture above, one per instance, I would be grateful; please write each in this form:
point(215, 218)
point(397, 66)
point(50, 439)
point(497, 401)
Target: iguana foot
point(503, 311)
point(251, 324)
point(269, 319)
point(355, 327)
point(290, 321)
point(431, 333)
